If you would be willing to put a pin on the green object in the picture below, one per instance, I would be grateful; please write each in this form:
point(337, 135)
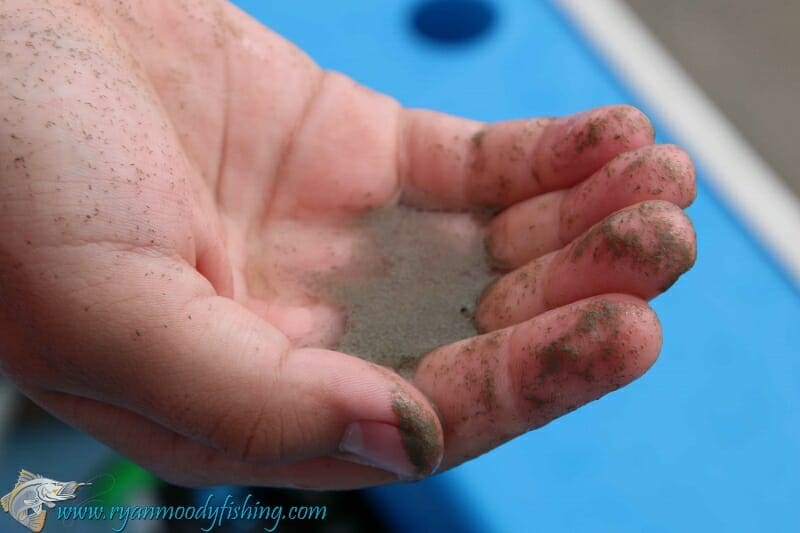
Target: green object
point(127, 482)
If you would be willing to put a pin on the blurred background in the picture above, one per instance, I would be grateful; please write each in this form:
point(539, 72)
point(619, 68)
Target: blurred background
point(744, 56)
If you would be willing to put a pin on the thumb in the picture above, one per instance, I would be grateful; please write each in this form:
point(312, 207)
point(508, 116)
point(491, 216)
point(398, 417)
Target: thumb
point(260, 400)
point(164, 345)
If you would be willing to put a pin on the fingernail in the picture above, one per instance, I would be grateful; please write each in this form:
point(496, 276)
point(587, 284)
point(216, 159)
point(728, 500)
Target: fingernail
point(380, 445)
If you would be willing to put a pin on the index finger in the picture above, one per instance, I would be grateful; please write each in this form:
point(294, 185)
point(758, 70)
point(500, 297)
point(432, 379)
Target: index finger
point(454, 163)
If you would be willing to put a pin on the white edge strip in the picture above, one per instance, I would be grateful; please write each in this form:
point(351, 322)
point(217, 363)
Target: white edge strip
point(733, 167)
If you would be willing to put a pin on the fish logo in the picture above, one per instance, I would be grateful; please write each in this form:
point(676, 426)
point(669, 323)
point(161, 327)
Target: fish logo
point(26, 500)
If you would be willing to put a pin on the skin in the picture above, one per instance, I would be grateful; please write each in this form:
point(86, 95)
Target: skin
point(165, 164)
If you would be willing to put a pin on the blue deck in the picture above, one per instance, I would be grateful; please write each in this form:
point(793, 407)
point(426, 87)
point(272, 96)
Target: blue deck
point(709, 439)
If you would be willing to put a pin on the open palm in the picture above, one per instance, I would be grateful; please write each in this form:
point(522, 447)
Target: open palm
point(173, 174)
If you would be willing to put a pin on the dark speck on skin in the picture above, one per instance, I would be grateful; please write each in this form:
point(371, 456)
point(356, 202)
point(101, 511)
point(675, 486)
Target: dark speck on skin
point(561, 360)
point(667, 253)
point(552, 356)
point(477, 138)
point(589, 136)
point(591, 318)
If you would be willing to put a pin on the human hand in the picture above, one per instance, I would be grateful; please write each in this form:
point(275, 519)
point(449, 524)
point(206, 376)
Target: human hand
point(172, 174)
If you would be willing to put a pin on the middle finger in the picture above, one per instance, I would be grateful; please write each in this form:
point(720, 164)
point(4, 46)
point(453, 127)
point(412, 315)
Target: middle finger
point(640, 250)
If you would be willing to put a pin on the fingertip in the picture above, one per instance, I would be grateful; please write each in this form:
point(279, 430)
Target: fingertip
point(643, 334)
point(614, 128)
point(639, 124)
point(679, 169)
point(421, 432)
point(642, 250)
point(577, 354)
point(579, 145)
point(386, 421)
point(673, 239)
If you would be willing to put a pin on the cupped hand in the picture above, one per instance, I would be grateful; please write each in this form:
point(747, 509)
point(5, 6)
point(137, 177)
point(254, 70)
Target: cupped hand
point(166, 164)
